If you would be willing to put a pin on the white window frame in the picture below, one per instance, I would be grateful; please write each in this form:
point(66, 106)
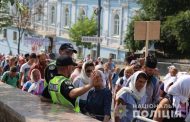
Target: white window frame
point(112, 55)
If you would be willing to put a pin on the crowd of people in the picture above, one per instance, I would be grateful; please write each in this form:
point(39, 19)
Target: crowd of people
point(97, 88)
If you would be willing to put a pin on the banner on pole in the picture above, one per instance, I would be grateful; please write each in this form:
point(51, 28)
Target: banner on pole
point(140, 30)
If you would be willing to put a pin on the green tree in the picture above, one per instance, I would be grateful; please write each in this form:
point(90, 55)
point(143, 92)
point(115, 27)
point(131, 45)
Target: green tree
point(174, 16)
point(131, 44)
point(176, 31)
point(83, 27)
point(5, 18)
point(22, 19)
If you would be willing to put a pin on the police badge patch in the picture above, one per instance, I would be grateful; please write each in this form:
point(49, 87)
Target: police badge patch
point(51, 67)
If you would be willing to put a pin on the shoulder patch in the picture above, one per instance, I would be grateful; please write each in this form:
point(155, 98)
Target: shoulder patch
point(67, 82)
point(51, 67)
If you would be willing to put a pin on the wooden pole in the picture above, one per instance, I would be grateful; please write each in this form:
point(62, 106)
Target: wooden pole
point(147, 39)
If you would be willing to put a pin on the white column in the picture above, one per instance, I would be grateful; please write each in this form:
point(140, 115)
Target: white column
point(106, 22)
point(121, 27)
point(58, 17)
point(125, 18)
point(73, 11)
point(47, 18)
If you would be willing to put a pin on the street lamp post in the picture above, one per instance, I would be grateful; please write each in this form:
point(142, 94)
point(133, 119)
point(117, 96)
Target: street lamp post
point(99, 15)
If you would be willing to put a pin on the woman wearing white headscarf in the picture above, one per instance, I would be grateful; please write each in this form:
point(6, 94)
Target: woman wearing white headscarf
point(178, 99)
point(129, 98)
point(82, 80)
point(168, 80)
point(99, 99)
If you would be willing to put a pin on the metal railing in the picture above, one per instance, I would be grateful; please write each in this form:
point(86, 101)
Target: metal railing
point(142, 119)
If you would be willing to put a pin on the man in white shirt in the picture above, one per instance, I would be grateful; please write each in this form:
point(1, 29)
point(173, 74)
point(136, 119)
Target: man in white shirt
point(24, 70)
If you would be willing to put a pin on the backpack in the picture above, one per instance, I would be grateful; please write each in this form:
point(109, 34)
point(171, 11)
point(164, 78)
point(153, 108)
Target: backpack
point(121, 81)
point(154, 81)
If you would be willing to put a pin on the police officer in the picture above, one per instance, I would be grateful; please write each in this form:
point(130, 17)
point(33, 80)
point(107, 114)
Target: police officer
point(60, 89)
point(51, 70)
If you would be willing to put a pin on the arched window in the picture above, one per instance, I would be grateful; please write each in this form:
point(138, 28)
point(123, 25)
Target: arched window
point(39, 11)
point(52, 15)
point(82, 13)
point(116, 24)
point(67, 17)
point(95, 12)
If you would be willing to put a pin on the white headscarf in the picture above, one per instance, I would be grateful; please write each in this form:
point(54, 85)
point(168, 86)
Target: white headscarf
point(99, 66)
point(102, 76)
point(180, 91)
point(132, 89)
point(84, 78)
point(168, 81)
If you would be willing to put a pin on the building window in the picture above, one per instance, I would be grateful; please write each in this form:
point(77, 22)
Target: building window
point(67, 17)
point(113, 56)
point(39, 12)
point(39, 17)
point(5, 33)
point(82, 13)
point(52, 15)
point(116, 24)
point(14, 36)
point(25, 35)
point(95, 12)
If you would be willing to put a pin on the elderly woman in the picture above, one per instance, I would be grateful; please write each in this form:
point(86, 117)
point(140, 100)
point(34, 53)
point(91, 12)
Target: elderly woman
point(129, 98)
point(175, 106)
point(123, 80)
point(168, 80)
point(82, 80)
point(99, 99)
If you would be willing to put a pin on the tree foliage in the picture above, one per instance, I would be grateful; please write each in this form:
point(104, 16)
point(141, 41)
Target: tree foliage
point(160, 9)
point(5, 18)
point(177, 28)
point(22, 18)
point(175, 24)
point(83, 27)
point(130, 43)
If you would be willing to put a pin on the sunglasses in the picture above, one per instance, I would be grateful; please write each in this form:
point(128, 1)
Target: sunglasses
point(89, 71)
point(69, 52)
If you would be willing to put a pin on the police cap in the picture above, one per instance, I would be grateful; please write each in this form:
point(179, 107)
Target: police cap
point(65, 61)
point(68, 46)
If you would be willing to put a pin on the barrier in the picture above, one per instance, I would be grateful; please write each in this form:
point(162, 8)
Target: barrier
point(20, 106)
point(142, 119)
